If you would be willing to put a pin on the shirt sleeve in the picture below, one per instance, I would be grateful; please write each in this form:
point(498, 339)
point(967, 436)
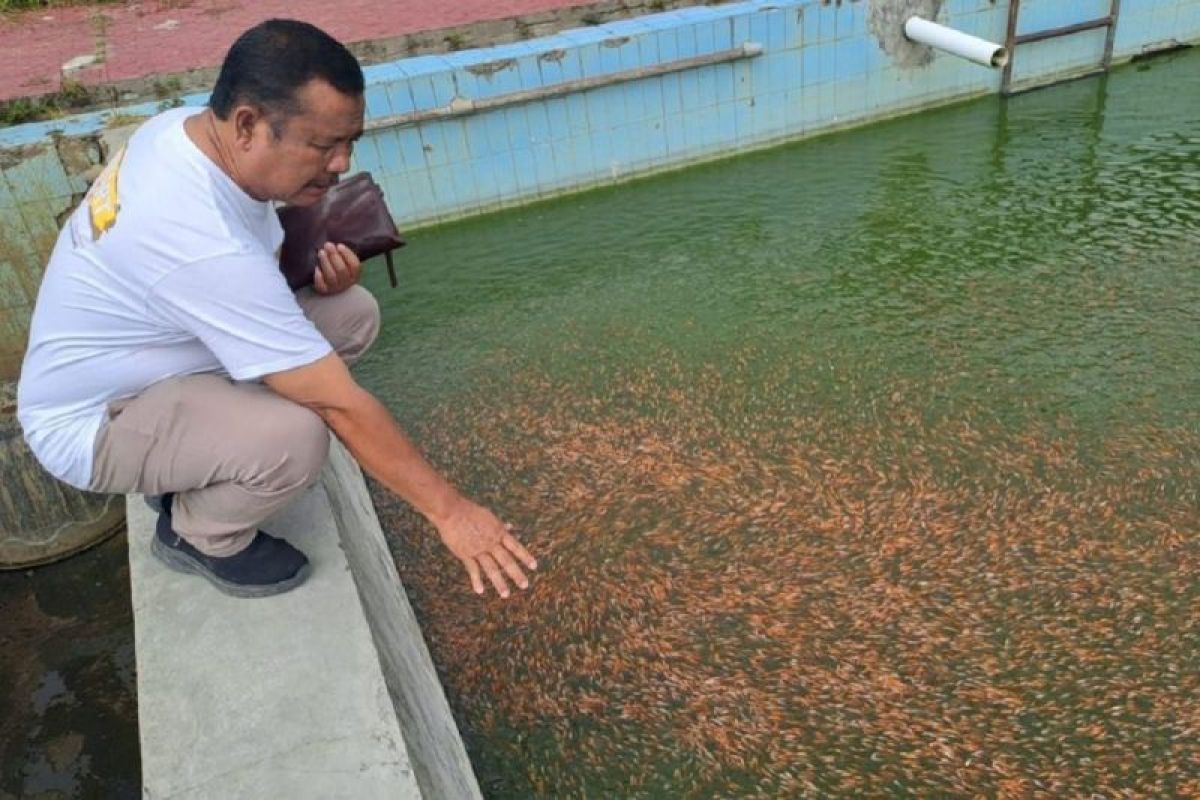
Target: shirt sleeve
point(240, 307)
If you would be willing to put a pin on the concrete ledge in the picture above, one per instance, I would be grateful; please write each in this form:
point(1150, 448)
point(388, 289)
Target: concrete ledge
point(435, 746)
point(290, 696)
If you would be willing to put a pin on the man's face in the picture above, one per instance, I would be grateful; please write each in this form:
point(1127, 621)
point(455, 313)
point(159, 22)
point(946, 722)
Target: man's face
point(312, 149)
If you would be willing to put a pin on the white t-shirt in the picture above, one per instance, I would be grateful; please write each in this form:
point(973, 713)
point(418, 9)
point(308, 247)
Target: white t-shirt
point(166, 268)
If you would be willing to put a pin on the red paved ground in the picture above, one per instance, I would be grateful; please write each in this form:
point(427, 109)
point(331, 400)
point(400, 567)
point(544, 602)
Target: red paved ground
point(165, 36)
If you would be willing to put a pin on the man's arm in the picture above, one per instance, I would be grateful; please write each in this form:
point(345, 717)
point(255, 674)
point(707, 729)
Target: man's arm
point(363, 424)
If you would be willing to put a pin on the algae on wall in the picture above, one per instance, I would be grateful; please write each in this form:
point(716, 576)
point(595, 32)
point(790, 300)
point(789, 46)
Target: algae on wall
point(40, 185)
point(42, 519)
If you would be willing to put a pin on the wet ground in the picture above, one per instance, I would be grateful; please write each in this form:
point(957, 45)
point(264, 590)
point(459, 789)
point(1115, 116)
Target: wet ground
point(861, 467)
point(68, 724)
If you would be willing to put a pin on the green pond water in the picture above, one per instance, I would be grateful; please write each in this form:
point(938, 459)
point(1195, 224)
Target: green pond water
point(971, 332)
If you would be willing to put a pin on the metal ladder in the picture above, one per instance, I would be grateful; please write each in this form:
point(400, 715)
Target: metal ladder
point(1012, 40)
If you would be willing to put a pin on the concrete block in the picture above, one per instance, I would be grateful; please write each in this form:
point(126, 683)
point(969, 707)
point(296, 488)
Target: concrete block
point(434, 744)
point(287, 696)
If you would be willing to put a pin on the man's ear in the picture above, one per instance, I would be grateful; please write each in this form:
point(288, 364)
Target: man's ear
point(245, 120)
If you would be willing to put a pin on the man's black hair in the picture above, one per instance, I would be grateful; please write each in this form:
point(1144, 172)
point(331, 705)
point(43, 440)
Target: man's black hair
point(268, 64)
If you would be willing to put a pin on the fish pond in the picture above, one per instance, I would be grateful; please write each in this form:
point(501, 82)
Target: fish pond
point(864, 466)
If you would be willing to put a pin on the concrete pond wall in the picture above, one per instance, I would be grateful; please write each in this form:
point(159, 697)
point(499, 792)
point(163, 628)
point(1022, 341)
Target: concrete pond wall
point(466, 132)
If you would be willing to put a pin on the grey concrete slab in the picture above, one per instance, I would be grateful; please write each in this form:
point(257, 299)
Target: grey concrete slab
point(274, 697)
point(434, 743)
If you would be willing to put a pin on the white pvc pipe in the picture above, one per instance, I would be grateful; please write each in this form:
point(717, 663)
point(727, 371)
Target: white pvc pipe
point(972, 48)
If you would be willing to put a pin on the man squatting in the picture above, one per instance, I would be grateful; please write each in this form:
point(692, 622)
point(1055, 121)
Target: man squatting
point(167, 355)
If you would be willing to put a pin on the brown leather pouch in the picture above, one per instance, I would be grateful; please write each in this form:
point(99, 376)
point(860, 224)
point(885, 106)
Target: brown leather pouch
point(352, 213)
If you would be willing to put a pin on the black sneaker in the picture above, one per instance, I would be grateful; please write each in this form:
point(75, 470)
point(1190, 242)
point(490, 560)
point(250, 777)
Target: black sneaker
point(267, 566)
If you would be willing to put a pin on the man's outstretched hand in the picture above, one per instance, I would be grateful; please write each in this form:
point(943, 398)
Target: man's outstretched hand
point(485, 547)
point(483, 543)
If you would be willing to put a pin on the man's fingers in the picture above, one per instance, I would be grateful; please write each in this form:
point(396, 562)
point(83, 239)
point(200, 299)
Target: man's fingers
point(342, 258)
point(510, 567)
point(326, 268)
point(353, 265)
point(516, 548)
point(494, 574)
point(476, 577)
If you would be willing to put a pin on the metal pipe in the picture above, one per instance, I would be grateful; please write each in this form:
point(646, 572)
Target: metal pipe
point(1066, 30)
point(461, 106)
point(1010, 37)
point(963, 45)
point(1114, 13)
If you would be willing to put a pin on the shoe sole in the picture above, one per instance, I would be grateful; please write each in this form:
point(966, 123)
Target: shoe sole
point(181, 563)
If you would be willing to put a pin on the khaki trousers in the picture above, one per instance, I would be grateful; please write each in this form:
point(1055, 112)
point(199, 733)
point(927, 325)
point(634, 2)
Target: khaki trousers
point(233, 453)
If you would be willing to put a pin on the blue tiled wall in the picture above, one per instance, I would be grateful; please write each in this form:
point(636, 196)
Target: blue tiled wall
point(821, 68)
